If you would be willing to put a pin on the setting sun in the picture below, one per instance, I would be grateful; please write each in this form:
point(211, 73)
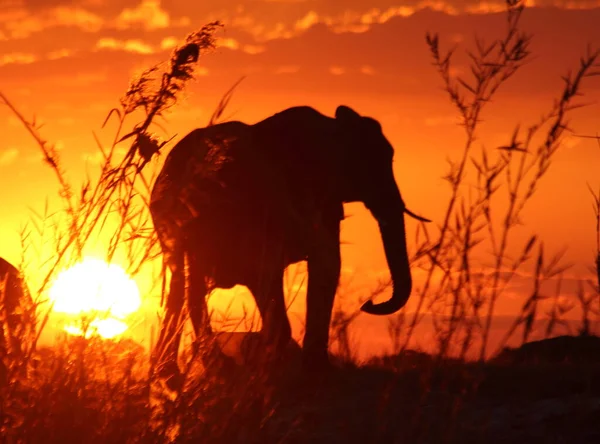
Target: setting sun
point(101, 293)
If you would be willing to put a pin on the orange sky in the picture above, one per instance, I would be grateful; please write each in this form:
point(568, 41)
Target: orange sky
point(68, 62)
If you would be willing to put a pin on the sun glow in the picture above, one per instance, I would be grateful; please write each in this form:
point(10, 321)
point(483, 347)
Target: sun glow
point(95, 298)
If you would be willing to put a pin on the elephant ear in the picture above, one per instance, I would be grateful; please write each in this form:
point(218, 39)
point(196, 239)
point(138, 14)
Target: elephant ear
point(350, 118)
point(345, 114)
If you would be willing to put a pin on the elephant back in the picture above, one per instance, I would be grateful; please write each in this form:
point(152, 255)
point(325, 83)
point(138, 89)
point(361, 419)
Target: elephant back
point(191, 175)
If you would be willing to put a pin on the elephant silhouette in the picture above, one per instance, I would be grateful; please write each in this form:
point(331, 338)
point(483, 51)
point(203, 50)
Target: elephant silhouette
point(16, 314)
point(236, 204)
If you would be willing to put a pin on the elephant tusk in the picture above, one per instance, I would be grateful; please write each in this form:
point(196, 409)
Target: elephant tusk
point(416, 216)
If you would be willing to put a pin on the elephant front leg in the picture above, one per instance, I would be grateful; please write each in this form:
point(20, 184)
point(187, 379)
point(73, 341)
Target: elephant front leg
point(324, 263)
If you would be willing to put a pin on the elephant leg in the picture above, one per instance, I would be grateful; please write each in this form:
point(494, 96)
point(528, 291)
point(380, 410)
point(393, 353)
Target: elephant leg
point(196, 298)
point(170, 335)
point(324, 264)
point(268, 293)
point(205, 344)
point(172, 325)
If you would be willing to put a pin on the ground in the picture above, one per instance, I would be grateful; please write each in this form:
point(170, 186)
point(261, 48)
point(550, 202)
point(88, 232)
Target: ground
point(413, 397)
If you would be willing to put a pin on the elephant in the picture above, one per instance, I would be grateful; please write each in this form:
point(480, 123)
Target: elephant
point(16, 313)
point(236, 203)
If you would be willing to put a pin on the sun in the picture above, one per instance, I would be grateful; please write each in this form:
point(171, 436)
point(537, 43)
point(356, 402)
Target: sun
point(99, 292)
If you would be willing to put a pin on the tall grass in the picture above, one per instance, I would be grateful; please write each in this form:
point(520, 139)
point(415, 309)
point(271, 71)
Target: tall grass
point(468, 258)
point(592, 303)
point(114, 208)
point(470, 249)
point(92, 390)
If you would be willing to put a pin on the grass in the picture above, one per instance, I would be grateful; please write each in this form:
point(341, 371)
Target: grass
point(94, 390)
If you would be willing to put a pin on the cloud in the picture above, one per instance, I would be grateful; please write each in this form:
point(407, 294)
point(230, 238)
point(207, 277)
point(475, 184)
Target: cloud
point(279, 31)
point(367, 70)
point(337, 70)
point(59, 54)
point(149, 15)
point(310, 19)
point(358, 19)
point(343, 17)
point(491, 7)
point(130, 45)
point(169, 42)
point(254, 49)
point(397, 42)
point(17, 57)
point(264, 20)
point(19, 23)
point(370, 16)
point(140, 47)
point(340, 21)
point(8, 156)
point(18, 20)
point(77, 17)
point(41, 5)
point(573, 4)
point(351, 21)
point(227, 43)
point(484, 7)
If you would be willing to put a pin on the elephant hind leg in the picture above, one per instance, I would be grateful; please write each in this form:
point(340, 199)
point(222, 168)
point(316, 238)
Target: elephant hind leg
point(196, 296)
point(205, 345)
point(267, 290)
point(198, 307)
point(172, 244)
point(172, 324)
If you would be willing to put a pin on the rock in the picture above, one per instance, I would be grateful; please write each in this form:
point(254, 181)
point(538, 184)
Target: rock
point(560, 349)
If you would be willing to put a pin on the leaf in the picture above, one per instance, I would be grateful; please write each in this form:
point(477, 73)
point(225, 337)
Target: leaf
point(127, 136)
point(114, 110)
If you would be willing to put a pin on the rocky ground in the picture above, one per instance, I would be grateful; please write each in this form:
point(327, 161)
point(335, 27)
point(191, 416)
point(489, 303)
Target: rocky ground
point(547, 391)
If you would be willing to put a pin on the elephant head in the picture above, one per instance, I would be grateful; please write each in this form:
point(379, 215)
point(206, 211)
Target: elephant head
point(369, 178)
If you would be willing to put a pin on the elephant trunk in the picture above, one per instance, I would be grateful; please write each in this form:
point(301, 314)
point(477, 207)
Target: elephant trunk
point(391, 226)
